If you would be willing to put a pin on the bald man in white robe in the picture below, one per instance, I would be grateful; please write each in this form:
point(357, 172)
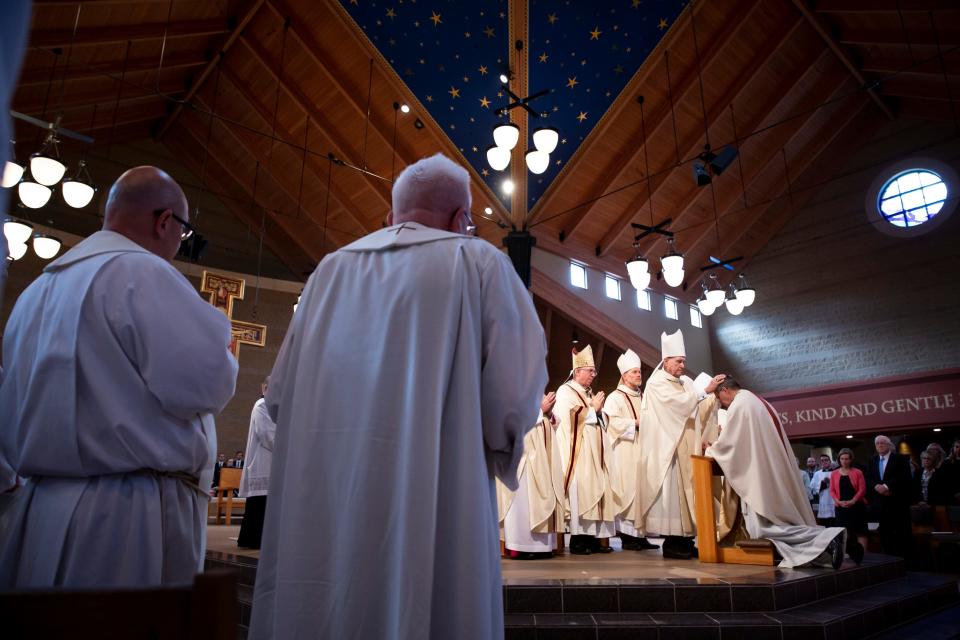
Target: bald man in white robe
point(754, 452)
point(114, 366)
point(438, 331)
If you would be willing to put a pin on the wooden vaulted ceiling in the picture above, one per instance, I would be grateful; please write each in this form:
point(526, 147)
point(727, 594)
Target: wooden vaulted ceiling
point(253, 97)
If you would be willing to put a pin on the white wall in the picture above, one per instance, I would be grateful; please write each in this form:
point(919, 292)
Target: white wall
point(647, 325)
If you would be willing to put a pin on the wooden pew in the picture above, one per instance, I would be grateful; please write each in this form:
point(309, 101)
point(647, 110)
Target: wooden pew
point(758, 552)
point(229, 480)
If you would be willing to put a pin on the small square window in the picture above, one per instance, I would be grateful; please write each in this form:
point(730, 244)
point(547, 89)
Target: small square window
point(613, 287)
point(578, 275)
point(643, 300)
point(695, 318)
point(670, 308)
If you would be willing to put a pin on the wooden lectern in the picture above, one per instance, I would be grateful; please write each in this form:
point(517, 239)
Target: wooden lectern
point(759, 552)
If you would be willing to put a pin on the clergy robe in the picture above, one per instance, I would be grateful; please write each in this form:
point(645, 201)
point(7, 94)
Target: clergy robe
point(531, 515)
point(113, 366)
point(410, 373)
point(622, 408)
point(668, 438)
point(758, 463)
point(255, 478)
point(584, 457)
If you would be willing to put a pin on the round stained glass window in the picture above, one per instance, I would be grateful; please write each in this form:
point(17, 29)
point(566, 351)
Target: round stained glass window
point(911, 198)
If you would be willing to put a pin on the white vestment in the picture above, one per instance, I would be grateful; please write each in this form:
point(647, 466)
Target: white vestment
point(410, 373)
point(584, 451)
point(113, 364)
point(758, 463)
point(622, 408)
point(255, 478)
point(668, 438)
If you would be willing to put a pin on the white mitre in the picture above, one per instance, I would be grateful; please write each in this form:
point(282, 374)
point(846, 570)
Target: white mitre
point(629, 360)
point(671, 346)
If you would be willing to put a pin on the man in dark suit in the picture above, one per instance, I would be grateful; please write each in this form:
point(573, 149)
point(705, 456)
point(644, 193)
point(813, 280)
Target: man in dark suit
point(889, 490)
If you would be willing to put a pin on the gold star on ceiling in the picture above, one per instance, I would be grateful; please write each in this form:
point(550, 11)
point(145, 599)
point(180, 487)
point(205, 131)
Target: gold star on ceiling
point(435, 18)
point(429, 98)
point(572, 82)
point(543, 57)
point(489, 32)
point(662, 24)
point(552, 18)
point(484, 102)
point(454, 92)
point(466, 78)
point(466, 34)
point(595, 34)
point(391, 13)
point(482, 70)
point(474, 149)
point(484, 172)
point(582, 116)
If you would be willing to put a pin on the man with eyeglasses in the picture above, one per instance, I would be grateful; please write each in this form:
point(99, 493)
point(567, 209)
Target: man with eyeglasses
point(114, 367)
point(410, 373)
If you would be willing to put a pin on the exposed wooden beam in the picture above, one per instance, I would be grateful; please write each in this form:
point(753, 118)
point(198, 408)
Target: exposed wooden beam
point(105, 98)
point(894, 37)
point(903, 66)
point(660, 116)
point(315, 163)
point(919, 108)
point(594, 321)
point(341, 145)
point(817, 23)
point(113, 68)
point(925, 87)
point(199, 80)
point(693, 141)
point(127, 33)
point(885, 6)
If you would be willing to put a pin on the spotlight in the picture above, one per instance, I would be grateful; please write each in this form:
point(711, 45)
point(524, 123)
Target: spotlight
point(723, 160)
point(700, 174)
point(504, 79)
point(418, 123)
point(487, 211)
point(849, 437)
point(405, 108)
point(507, 186)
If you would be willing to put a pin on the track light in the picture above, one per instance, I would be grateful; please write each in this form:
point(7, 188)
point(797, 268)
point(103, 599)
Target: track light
point(700, 174)
point(724, 159)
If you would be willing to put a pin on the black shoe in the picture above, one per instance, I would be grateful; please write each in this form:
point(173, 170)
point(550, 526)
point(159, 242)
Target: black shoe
point(856, 552)
point(580, 551)
point(835, 549)
point(599, 549)
point(628, 542)
point(676, 548)
point(643, 544)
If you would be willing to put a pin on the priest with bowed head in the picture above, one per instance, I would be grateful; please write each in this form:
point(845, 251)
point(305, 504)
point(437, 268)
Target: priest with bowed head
point(754, 452)
point(669, 436)
point(113, 369)
point(407, 379)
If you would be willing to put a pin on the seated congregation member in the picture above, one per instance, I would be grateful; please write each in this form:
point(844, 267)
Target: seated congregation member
point(584, 452)
point(255, 479)
point(757, 462)
point(848, 489)
point(622, 408)
point(113, 366)
point(531, 515)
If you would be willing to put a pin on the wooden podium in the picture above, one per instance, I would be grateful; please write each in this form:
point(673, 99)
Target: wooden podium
point(759, 552)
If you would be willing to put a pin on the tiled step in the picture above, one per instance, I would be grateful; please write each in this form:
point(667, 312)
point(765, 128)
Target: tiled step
point(855, 614)
point(942, 625)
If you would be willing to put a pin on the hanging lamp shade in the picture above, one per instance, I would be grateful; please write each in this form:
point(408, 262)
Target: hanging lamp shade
point(506, 135)
point(498, 157)
point(715, 295)
point(537, 161)
point(672, 264)
point(45, 246)
point(639, 271)
point(46, 169)
point(77, 194)
point(734, 306)
point(673, 277)
point(17, 250)
point(705, 307)
point(33, 195)
point(546, 139)
point(12, 172)
point(746, 296)
point(17, 232)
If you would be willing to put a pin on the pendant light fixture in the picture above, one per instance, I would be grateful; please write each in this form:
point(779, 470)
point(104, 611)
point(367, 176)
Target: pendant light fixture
point(545, 139)
point(17, 250)
point(745, 293)
point(33, 194)
point(734, 306)
point(17, 232)
point(506, 135)
point(537, 161)
point(639, 271)
point(12, 170)
point(715, 294)
point(46, 167)
point(498, 157)
point(672, 264)
point(46, 246)
point(78, 190)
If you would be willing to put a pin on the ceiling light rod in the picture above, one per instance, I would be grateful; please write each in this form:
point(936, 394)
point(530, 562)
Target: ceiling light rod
point(343, 163)
point(717, 262)
point(522, 102)
point(54, 127)
point(647, 230)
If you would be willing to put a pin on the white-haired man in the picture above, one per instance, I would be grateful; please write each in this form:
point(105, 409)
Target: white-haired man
point(113, 365)
point(622, 408)
point(668, 438)
point(439, 332)
point(889, 487)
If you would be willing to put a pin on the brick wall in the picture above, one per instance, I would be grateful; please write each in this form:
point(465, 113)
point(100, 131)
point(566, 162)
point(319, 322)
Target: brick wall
point(837, 300)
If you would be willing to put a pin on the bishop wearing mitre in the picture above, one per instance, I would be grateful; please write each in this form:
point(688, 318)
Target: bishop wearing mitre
point(584, 458)
point(669, 436)
point(622, 411)
point(531, 515)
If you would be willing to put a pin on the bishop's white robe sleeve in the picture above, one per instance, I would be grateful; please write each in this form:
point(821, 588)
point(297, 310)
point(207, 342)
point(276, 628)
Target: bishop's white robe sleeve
point(179, 342)
point(264, 427)
point(618, 426)
point(514, 372)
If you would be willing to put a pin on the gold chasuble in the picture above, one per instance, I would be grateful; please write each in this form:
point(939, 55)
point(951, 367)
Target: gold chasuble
point(584, 452)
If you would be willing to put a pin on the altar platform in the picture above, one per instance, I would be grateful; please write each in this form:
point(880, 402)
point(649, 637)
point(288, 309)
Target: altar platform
point(631, 594)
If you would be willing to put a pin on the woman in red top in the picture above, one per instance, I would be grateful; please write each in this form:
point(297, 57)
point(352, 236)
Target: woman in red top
point(848, 488)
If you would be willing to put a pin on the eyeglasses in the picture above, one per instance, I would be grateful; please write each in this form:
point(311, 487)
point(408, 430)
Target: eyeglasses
point(186, 229)
point(471, 227)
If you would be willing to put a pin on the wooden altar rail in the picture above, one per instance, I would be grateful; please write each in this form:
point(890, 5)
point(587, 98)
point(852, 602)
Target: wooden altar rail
point(759, 552)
